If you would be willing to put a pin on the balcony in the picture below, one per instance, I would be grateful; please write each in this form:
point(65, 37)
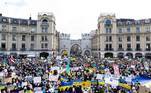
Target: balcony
point(120, 49)
point(129, 49)
point(148, 49)
point(13, 49)
point(138, 49)
point(3, 49)
point(108, 49)
point(23, 49)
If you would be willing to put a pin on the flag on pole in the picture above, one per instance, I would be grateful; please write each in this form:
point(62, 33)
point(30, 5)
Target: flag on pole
point(68, 66)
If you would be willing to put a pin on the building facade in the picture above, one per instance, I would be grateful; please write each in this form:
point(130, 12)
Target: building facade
point(27, 36)
point(121, 37)
point(75, 47)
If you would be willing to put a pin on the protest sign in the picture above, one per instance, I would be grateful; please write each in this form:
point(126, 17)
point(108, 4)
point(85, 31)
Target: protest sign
point(99, 76)
point(24, 84)
point(37, 79)
point(53, 77)
point(1, 74)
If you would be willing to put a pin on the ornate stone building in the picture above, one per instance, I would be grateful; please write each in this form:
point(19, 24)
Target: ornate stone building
point(75, 47)
point(122, 37)
point(29, 37)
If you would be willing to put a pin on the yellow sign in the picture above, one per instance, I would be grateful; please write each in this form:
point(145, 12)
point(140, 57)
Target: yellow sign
point(86, 84)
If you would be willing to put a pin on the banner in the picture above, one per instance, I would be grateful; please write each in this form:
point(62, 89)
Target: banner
point(112, 81)
point(86, 84)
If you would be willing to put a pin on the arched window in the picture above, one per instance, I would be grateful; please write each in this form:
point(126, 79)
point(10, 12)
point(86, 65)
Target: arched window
point(44, 20)
point(108, 22)
point(44, 25)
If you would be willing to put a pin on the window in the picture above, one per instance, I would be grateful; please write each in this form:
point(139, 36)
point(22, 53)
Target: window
point(106, 48)
point(23, 38)
point(110, 38)
point(137, 38)
point(3, 27)
point(148, 47)
point(13, 46)
point(108, 30)
point(138, 47)
point(128, 29)
point(33, 29)
point(107, 39)
point(32, 38)
point(46, 38)
point(44, 29)
point(14, 29)
point(31, 46)
point(120, 39)
point(120, 46)
point(120, 30)
point(128, 38)
point(42, 38)
point(3, 45)
point(147, 29)
point(137, 29)
point(3, 36)
point(128, 46)
point(108, 22)
point(42, 45)
point(46, 45)
point(13, 37)
point(147, 38)
point(23, 46)
point(110, 46)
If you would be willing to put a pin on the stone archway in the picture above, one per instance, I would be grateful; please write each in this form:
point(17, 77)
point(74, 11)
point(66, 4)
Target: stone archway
point(44, 54)
point(129, 55)
point(108, 54)
point(87, 53)
point(148, 55)
point(138, 55)
point(75, 50)
point(120, 55)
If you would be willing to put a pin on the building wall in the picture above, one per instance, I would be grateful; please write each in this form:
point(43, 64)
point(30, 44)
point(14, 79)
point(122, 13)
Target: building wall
point(28, 27)
point(121, 28)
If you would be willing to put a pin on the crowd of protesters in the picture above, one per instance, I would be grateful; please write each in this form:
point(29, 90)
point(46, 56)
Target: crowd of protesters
point(18, 75)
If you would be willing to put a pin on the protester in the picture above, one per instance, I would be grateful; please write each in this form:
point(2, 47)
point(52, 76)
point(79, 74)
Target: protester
point(70, 76)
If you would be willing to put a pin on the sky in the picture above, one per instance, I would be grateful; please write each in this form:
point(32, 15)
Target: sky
point(76, 16)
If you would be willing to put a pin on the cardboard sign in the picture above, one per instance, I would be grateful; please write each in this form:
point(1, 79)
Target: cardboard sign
point(37, 79)
point(53, 77)
point(1, 74)
point(24, 84)
point(99, 76)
